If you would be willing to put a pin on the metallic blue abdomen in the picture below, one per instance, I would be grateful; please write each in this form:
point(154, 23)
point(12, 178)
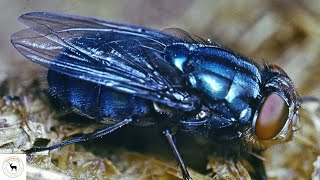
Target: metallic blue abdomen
point(95, 100)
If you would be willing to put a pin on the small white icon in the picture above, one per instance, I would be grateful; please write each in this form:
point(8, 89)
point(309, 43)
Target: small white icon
point(12, 166)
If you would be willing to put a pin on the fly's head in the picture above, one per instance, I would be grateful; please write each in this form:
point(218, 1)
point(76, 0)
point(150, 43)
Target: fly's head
point(276, 117)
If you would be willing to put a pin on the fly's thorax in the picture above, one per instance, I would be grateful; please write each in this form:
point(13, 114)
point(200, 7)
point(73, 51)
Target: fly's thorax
point(276, 115)
point(226, 83)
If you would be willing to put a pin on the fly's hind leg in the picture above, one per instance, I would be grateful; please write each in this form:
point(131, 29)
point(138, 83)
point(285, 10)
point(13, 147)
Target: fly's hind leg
point(177, 155)
point(84, 137)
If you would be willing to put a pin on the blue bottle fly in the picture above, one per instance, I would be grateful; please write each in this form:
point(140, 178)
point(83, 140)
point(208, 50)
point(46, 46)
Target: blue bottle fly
point(122, 74)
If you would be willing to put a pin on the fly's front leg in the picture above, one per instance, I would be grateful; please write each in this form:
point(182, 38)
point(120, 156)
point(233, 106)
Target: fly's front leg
point(84, 137)
point(177, 155)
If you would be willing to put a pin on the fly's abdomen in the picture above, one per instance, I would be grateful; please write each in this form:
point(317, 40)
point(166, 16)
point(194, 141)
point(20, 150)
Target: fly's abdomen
point(95, 100)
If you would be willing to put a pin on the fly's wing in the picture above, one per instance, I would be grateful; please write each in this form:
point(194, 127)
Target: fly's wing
point(126, 58)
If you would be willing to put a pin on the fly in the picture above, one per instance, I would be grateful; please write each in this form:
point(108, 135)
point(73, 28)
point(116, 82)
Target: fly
point(125, 74)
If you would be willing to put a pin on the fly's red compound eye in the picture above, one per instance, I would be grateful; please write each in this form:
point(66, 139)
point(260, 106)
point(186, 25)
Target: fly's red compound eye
point(272, 117)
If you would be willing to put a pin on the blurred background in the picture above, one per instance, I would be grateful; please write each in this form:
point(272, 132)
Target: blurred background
point(285, 32)
point(277, 31)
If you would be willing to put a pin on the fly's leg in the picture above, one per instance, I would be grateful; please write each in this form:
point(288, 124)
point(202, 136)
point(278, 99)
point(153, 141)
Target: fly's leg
point(85, 137)
point(183, 167)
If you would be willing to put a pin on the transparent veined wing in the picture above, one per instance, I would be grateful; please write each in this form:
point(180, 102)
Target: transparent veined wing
point(127, 58)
